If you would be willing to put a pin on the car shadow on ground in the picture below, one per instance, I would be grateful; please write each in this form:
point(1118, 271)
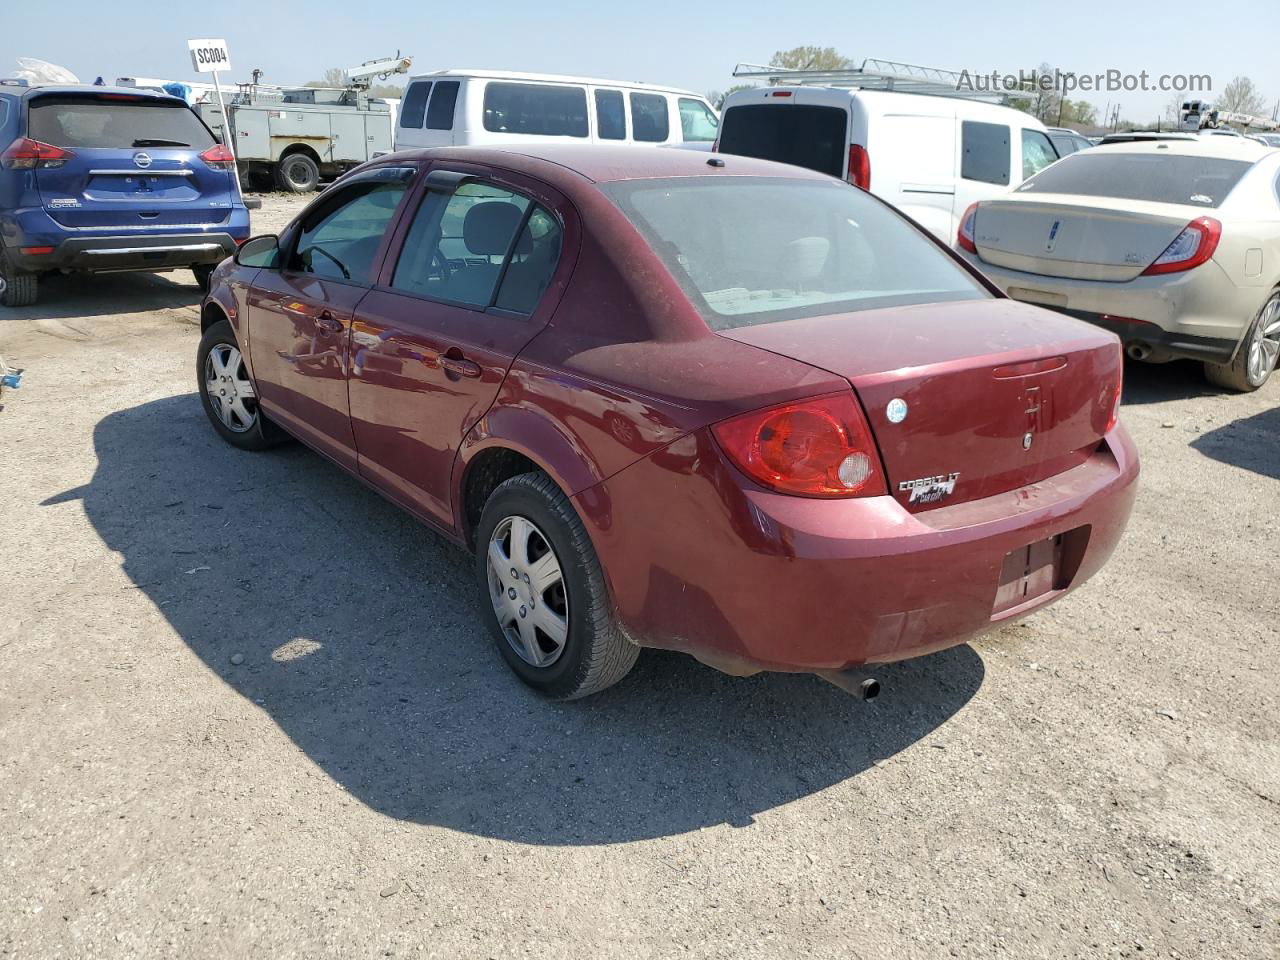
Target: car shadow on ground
point(1252, 443)
point(1160, 382)
point(360, 638)
point(73, 297)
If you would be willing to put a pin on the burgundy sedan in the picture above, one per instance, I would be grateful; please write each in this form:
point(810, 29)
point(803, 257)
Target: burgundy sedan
point(704, 403)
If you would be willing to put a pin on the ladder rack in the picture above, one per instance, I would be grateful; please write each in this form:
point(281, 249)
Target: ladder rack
point(873, 74)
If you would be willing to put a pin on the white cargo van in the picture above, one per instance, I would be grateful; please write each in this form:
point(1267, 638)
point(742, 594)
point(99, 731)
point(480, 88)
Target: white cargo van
point(903, 132)
point(484, 107)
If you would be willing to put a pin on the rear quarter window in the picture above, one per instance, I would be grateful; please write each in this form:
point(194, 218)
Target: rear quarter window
point(1155, 177)
point(94, 122)
point(805, 136)
point(537, 109)
point(985, 152)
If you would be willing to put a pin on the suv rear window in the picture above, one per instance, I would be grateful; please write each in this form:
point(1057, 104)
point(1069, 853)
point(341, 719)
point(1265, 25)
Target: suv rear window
point(805, 136)
point(1158, 177)
point(749, 250)
point(532, 108)
point(90, 122)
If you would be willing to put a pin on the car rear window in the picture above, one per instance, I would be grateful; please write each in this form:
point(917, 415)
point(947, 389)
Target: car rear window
point(532, 108)
point(1158, 177)
point(90, 122)
point(805, 136)
point(750, 250)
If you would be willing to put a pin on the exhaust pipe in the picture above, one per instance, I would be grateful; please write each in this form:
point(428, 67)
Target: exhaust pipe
point(862, 685)
point(1138, 350)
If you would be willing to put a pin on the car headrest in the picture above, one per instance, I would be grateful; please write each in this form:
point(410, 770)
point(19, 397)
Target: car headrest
point(488, 227)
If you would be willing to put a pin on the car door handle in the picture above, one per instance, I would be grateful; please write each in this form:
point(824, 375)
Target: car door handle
point(328, 323)
point(460, 366)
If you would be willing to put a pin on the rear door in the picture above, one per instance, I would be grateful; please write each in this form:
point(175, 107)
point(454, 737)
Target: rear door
point(477, 275)
point(134, 162)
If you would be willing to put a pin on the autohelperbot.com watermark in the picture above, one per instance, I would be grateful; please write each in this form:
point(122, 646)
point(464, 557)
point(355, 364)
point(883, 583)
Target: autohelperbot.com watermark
point(1065, 82)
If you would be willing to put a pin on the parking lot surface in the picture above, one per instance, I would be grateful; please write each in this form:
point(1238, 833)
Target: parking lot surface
point(247, 707)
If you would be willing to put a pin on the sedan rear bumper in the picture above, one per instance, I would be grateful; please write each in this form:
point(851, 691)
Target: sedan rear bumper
point(699, 559)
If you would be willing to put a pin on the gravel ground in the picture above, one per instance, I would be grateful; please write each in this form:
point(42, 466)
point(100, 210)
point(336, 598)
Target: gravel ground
point(246, 708)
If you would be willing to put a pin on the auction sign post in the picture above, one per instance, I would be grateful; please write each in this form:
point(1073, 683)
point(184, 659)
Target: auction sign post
point(210, 56)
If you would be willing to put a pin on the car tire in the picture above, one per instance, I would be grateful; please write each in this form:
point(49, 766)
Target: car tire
point(203, 272)
point(17, 289)
point(298, 173)
point(1256, 358)
point(595, 653)
point(258, 433)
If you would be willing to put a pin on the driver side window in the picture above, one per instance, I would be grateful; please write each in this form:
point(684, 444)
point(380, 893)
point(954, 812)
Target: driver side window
point(340, 241)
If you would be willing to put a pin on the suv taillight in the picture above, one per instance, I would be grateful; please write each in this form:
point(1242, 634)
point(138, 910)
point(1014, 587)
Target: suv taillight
point(810, 448)
point(218, 157)
point(859, 166)
point(1192, 247)
point(964, 236)
point(27, 154)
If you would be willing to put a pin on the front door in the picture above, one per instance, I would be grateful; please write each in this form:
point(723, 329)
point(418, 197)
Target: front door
point(433, 341)
point(300, 316)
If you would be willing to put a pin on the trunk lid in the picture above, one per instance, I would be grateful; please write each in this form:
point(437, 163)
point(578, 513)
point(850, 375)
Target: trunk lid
point(977, 378)
point(1077, 237)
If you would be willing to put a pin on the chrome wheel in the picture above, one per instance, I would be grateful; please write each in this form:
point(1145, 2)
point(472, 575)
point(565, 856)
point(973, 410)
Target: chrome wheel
point(229, 390)
point(1264, 345)
point(526, 587)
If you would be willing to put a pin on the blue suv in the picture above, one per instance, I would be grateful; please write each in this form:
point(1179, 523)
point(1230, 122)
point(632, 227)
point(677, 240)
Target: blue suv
point(98, 179)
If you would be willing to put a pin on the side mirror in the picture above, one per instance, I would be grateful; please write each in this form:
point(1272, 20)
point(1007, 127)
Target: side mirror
point(263, 251)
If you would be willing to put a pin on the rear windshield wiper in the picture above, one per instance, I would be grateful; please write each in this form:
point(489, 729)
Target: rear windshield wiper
point(158, 142)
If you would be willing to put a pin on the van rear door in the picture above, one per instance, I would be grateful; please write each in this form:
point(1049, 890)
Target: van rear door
point(803, 126)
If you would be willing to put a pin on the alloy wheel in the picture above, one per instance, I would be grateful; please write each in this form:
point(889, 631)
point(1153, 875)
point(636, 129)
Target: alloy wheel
point(229, 389)
point(527, 589)
point(1264, 345)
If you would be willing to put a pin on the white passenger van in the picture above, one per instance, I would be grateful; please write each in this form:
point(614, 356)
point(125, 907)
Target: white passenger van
point(485, 107)
point(905, 133)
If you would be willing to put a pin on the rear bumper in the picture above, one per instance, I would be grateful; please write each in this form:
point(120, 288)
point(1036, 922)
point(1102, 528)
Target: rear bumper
point(699, 559)
point(1200, 314)
point(117, 253)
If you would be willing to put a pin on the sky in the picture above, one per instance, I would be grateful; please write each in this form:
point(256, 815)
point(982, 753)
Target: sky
point(689, 45)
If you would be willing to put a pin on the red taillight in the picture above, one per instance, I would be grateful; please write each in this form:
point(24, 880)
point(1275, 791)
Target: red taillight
point(27, 154)
point(36, 251)
point(964, 236)
point(812, 448)
point(859, 166)
point(1192, 247)
point(1114, 418)
point(218, 157)
point(780, 93)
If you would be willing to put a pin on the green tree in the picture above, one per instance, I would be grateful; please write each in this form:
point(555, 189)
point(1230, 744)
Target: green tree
point(811, 58)
point(716, 98)
point(1241, 95)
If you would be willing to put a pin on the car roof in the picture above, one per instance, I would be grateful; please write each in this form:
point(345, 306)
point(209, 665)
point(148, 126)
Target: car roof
point(1228, 148)
point(88, 89)
point(603, 163)
point(553, 78)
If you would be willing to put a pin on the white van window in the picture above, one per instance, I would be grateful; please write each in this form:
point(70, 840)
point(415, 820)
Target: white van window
point(1037, 152)
point(532, 108)
point(985, 154)
point(440, 112)
point(697, 122)
point(611, 115)
point(649, 122)
point(806, 136)
point(414, 104)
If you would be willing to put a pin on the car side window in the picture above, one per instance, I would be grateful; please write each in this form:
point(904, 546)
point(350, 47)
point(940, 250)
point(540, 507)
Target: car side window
point(341, 238)
point(1037, 153)
point(697, 122)
point(649, 122)
point(611, 117)
point(533, 261)
point(985, 152)
point(458, 243)
point(443, 100)
point(414, 104)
